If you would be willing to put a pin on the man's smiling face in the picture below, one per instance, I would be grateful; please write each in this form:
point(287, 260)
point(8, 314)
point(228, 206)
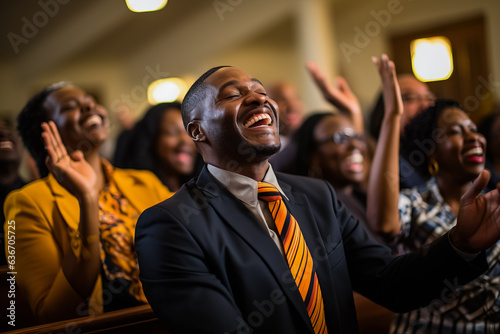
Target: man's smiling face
point(240, 121)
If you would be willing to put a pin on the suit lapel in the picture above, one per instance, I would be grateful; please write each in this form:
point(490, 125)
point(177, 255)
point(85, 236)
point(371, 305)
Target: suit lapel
point(241, 220)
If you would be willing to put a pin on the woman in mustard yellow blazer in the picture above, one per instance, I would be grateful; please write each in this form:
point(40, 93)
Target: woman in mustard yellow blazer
point(74, 228)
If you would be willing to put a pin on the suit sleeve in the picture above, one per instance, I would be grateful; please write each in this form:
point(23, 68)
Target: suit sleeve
point(405, 282)
point(177, 279)
point(38, 261)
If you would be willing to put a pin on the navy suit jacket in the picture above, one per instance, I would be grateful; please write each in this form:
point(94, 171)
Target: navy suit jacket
point(208, 266)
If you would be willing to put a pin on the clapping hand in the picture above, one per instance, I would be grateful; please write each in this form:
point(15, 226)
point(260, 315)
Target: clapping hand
point(70, 170)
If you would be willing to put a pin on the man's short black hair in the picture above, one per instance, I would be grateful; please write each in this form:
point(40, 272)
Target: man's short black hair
point(195, 95)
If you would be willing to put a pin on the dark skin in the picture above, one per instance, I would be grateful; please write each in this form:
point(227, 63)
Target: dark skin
point(175, 149)
point(333, 160)
point(72, 138)
point(234, 98)
point(456, 171)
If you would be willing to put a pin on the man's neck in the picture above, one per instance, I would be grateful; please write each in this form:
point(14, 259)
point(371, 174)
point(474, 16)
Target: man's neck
point(255, 171)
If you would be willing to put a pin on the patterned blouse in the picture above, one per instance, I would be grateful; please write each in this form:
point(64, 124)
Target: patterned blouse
point(120, 276)
point(472, 308)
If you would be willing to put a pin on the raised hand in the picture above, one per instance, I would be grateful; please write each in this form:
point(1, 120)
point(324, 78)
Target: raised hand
point(383, 186)
point(71, 171)
point(341, 96)
point(478, 221)
point(392, 93)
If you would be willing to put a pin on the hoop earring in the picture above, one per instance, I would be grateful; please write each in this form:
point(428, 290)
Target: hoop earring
point(433, 167)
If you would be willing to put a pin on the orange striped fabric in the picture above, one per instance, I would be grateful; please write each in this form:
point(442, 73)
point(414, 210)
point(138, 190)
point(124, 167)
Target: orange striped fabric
point(297, 254)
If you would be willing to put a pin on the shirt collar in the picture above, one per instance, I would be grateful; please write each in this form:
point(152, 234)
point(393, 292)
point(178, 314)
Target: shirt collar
point(243, 187)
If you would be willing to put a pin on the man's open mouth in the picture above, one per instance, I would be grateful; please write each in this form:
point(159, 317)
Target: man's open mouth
point(261, 119)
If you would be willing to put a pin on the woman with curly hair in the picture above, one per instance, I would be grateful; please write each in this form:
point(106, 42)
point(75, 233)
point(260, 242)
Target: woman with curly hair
point(444, 144)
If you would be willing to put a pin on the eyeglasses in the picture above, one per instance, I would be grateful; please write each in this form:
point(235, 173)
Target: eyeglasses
point(344, 137)
point(413, 98)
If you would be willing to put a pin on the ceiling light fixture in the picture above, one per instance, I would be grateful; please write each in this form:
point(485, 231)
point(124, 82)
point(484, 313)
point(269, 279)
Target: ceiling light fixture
point(166, 90)
point(431, 58)
point(140, 6)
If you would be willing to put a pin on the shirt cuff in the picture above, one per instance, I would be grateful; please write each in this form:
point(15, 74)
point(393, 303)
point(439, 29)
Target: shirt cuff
point(466, 256)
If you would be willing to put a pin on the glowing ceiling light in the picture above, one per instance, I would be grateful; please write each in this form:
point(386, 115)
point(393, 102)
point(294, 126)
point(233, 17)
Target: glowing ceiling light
point(166, 90)
point(431, 58)
point(145, 5)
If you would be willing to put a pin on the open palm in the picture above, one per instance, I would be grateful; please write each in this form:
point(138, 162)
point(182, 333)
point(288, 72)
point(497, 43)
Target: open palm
point(71, 171)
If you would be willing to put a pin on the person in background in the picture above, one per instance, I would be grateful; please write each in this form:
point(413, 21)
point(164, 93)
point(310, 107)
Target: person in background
point(331, 145)
point(159, 143)
point(10, 159)
point(345, 103)
point(75, 226)
point(340, 96)
point(291, 108)
point(411, 219)
point(416, 98)
point(329, 148)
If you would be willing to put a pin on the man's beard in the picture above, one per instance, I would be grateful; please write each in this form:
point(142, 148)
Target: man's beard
point(254, 153)
point(268, 150)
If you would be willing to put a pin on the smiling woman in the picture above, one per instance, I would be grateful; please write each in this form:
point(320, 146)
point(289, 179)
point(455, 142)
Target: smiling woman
point(327, 147)
point(75, 232)
point(159, 143)
point(443, 142)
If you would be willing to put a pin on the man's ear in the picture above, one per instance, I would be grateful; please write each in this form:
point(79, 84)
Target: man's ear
point(195, 131)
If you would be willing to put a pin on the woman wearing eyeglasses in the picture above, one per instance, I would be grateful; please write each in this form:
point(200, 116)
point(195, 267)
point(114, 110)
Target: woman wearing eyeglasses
point(330, 146)
point(327, 147)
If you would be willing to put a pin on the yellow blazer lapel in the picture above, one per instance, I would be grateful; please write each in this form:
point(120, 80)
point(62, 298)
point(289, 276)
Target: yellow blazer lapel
point(138, 196)
point(66, 203)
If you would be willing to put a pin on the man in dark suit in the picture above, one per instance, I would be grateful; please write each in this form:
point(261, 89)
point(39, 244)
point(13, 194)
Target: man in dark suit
point(211, 256)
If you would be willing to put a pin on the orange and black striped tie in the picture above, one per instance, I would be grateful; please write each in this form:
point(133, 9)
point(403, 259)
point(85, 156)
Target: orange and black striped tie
point(297, 254)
